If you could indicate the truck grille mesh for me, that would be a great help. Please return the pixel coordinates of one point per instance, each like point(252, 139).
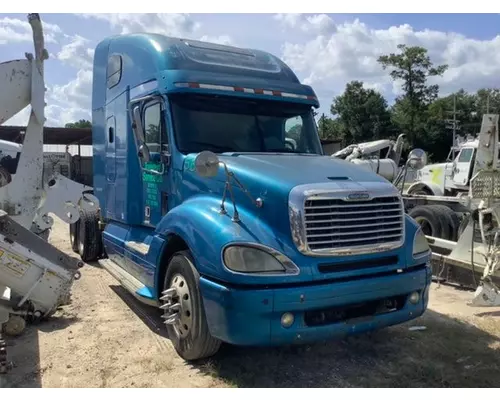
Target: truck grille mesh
point(336, 224)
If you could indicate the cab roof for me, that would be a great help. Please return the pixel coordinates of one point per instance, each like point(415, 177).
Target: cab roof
point(147, 56)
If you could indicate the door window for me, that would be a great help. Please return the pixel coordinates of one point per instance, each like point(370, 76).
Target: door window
point(153, 127)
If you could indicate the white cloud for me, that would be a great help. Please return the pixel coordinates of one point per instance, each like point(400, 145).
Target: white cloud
point(166, 24)
point(77, 53)
point(328, 62)
point(14, 30)
point(320, 24)
point(76, 94)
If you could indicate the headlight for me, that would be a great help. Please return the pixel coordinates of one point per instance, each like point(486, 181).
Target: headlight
point(257, 260)
point(420, 244)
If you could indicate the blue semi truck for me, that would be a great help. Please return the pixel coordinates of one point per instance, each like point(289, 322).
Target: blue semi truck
point(218, 206)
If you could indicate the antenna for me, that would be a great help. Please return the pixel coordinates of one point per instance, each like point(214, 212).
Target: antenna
point(453, 124)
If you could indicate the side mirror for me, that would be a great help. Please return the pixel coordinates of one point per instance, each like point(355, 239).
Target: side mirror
point(207, 164)
point(417, 159)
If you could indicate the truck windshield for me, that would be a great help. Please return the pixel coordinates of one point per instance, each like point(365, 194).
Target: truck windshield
point(224, 124)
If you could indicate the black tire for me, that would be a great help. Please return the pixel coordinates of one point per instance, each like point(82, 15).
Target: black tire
point(452, 219)
point(73, 235)
point(433, 222)
point(422, 191)
point(89, 236)
point(198, 343)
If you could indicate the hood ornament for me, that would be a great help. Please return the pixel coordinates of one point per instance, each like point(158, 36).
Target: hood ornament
point(207, 166)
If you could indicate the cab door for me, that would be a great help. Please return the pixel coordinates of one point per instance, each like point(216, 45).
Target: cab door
point(156, 172)
point(462, 166)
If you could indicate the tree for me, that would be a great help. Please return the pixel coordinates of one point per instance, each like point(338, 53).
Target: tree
point(362, 114)
point(83, 123)
point(487, 100)
point(329, 128)
point(412, 66)
point(438, 133)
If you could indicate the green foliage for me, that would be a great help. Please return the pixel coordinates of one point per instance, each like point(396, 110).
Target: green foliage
point(412, 66)
point(83, 123)
point(362, 114)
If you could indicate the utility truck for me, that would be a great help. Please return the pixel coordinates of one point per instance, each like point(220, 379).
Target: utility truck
point(451, 178)
point(217, 204)
point(461, 224)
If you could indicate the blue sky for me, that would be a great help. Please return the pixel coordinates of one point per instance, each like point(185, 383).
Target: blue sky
point(325, 50)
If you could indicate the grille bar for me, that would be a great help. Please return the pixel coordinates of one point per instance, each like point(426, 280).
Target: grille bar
point(397, 204)
point(357, 233)
point(333, 224)
point(351, 212)
point(333, 221)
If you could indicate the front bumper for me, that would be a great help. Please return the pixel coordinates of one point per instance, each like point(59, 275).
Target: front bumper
point(252, 316)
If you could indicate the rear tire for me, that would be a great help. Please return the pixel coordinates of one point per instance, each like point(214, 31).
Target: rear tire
point(422, 192)
point(89, 236)
point(452, 219)
point(190, 335)
point(432, 222)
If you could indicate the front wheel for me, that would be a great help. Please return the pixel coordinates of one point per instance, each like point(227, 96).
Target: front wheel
point(184, 314)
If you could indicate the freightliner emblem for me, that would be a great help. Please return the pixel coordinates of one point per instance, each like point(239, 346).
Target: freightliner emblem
point(358, 196)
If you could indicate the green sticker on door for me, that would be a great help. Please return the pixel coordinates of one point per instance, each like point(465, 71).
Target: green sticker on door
point(150, 177)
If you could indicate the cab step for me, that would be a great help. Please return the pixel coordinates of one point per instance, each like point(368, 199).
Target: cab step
point(130, 283)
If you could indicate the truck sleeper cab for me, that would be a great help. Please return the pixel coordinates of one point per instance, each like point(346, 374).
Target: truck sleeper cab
point(218, 205)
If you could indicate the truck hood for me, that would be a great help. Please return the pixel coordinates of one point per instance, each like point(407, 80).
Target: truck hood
point(290, 170)
point(271, 177)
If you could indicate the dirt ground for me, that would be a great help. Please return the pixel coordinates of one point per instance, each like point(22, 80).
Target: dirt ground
point(105, 338)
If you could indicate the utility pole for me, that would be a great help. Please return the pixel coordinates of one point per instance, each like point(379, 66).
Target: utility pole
point(452, 123)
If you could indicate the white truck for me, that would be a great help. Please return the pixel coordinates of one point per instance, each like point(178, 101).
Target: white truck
point(462, 224)
point(451, 178)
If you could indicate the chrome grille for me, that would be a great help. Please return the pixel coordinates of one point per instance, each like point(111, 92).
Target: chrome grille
point(334, 224)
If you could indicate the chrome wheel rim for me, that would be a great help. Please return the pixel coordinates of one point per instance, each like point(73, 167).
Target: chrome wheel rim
point(178, 309)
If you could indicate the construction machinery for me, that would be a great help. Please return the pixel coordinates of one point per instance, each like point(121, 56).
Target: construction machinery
point(463, 231)
point(380, 156)
point(458, 214)
point(35, 277)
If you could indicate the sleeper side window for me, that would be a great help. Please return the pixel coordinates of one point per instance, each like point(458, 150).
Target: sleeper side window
point(114, 72)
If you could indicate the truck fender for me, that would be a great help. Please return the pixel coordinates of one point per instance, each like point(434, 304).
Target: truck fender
point(205, 231)
point(431, 188)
